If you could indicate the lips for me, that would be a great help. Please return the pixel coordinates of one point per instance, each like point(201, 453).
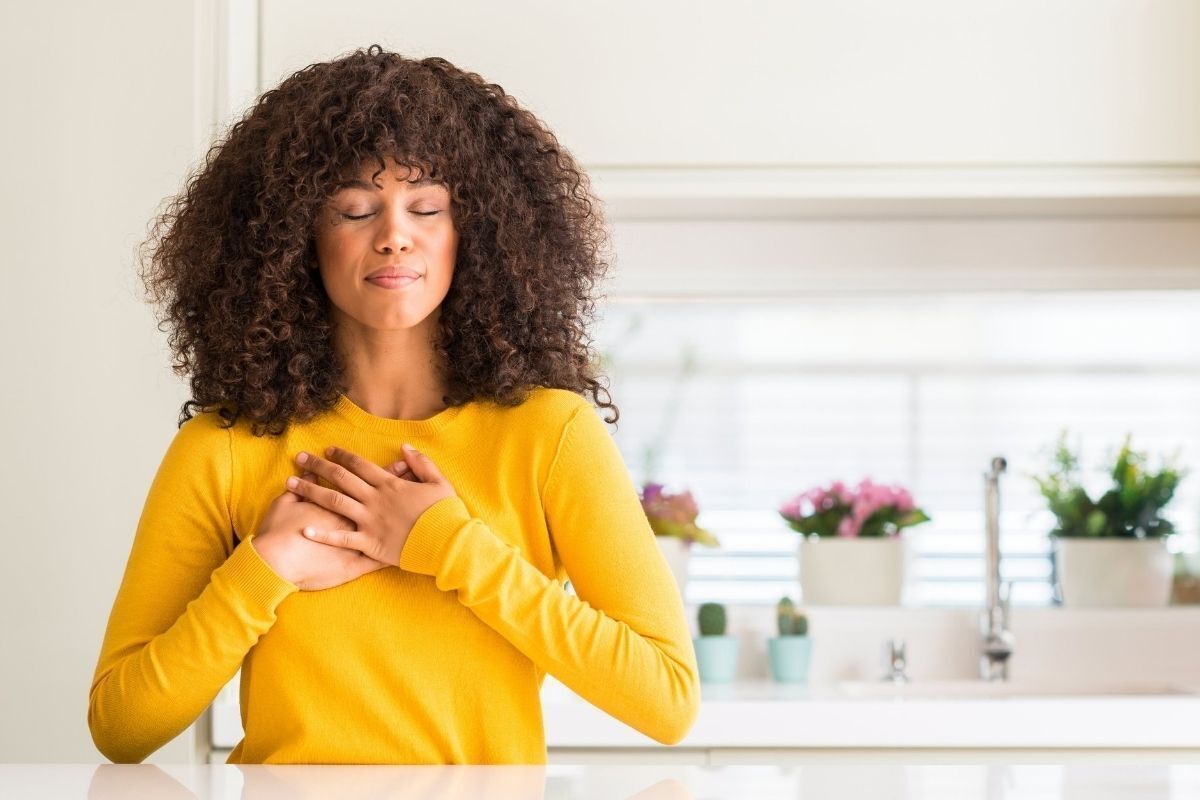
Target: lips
point(394, 272)
point(393, 281)
point(393, 276)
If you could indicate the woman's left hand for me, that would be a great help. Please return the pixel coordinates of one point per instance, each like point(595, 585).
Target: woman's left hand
point(383, 505)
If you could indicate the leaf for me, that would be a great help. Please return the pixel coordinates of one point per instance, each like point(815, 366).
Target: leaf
point(914, 517)
point(683, 530)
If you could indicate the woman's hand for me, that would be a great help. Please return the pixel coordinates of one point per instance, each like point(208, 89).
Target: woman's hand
point(382, 505)
point(307, 564)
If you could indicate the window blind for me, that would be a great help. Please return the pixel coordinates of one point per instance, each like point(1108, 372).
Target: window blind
point(748, 402)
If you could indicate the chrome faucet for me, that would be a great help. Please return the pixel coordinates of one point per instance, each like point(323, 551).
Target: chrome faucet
point(993, 623)
point(894, 661)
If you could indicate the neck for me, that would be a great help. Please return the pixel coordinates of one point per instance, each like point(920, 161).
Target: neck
point(391, 374)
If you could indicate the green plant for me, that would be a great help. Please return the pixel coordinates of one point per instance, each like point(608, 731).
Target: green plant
point(712, 619)
point(1131, 508)
point(791, 621)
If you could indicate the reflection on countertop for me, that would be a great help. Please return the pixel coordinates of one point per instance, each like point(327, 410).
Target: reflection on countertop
point(1093, 781)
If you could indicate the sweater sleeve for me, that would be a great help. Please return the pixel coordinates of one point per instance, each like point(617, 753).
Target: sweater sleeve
point(187, 610)
point(623, 643)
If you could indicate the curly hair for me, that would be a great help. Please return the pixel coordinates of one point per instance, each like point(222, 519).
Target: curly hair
point(232, 258)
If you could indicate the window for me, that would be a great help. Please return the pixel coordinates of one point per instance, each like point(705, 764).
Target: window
point(748, 402)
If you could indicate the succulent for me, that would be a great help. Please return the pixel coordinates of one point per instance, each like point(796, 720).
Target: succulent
point(791, 621)
point(1130, 508)
point(712, 619)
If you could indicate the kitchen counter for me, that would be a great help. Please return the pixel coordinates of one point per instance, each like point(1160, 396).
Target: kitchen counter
point(1157, 648)
point(764, 714)
point(593, 782)
point(757, 715)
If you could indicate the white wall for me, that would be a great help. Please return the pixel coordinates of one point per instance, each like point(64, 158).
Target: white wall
point(99, 123)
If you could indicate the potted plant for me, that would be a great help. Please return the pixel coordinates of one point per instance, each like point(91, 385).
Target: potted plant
point(1111, 551)
point(673, 519)
point(790, 651)
point(716, 652)
point(851, 549)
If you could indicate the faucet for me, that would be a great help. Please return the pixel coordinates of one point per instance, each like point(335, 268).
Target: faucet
point(894, 661)
point(993, 623)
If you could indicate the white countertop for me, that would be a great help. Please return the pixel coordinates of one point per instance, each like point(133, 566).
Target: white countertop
point(610, 782)
point(768, 714)
point(765, 714)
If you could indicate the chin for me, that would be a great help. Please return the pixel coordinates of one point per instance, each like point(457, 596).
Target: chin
point(400, 323)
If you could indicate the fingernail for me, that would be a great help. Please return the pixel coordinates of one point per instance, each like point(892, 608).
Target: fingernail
point(302, 458)
point(293, 482)
point(309, 532)
point(408, 447)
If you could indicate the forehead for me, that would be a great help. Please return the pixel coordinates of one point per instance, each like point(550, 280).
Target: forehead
point(371, 177)
point(358, 183)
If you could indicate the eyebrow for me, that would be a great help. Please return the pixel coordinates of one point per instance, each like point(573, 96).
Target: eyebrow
point(357, 183)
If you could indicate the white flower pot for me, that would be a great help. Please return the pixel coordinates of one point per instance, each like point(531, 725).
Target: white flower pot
point(853, 571)
point(676, 551)
point(1112, 571)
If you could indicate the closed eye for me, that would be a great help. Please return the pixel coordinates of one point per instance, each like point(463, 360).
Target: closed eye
point(364, 216)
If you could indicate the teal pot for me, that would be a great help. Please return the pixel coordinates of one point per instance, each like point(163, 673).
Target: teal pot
point(789, 657)
point(717, 658)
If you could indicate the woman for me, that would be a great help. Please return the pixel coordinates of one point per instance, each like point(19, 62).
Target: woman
point(387, 253)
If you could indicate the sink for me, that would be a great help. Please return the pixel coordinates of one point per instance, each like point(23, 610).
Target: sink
point(945, 689)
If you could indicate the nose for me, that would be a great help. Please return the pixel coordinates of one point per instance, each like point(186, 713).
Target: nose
point(394, 235)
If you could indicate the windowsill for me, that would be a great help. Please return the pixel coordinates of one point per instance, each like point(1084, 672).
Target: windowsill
point(1037, 616)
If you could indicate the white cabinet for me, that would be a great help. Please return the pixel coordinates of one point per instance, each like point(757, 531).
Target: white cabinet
point(683, 84)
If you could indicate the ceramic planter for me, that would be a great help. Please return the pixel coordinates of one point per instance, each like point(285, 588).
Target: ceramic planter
point(853, 571)
point(676, 551)
point(789, 657)
point(716, 656)
point(1113, 571)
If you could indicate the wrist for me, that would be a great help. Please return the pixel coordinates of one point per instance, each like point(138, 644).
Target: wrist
point(266, 551)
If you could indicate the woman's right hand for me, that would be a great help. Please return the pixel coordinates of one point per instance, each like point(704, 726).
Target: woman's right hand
point(309, 565)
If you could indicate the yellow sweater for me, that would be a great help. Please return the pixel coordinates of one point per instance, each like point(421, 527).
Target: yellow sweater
point(439, 661)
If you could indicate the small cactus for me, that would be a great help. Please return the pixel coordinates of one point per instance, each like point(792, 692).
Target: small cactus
point(791, 621)
point(784, 611)
point(712, 619)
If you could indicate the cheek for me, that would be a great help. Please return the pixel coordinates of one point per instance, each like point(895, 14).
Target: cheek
point(441, 274)
point(448, 244)
point(335, 252)
point(324, 243)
